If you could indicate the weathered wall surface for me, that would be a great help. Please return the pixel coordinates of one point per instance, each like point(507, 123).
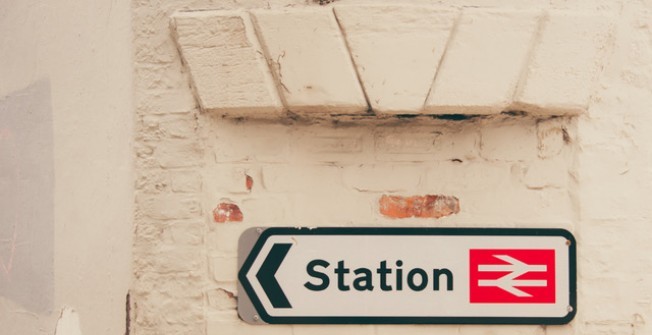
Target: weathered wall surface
point(202, 179)
point(66, 167)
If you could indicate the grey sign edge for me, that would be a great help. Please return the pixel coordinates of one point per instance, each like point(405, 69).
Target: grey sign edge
point(246, 310)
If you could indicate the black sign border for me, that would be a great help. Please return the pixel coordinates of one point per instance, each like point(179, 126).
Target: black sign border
point(404, 231)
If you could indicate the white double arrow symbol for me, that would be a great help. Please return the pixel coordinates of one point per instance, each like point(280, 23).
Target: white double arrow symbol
point(515, 268)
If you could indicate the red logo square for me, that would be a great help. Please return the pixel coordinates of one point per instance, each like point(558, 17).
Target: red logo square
point(512, 275)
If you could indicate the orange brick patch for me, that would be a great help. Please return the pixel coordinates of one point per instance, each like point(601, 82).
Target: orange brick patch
point(420, 206)
point(227, 212)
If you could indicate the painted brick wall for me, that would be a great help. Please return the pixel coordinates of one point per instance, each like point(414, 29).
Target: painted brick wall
point(203, 179)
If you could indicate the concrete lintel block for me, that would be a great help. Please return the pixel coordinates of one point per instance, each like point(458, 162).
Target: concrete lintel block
point(310, 61)
point(396, 50)
point(229, 72)
point(484, 62)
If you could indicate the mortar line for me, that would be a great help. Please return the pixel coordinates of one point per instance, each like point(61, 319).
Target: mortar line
point(276, 75)
point(525, 68)
point(185, 64)
point(353, 63)
point(449, 41)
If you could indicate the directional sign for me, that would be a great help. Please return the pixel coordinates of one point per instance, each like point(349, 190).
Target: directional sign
point(407, 275)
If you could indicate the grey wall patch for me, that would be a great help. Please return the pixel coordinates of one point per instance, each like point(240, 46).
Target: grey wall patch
point(27, 198)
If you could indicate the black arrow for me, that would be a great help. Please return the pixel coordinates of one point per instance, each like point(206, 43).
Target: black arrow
point(266, 275)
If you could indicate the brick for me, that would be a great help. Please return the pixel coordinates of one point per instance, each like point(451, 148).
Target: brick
point(383, 178)
point(415, 144)
point(500, 329)
point(262, 143)
point(484, 62)
point(329, 143)
point(227, 212)
point(153, 181)
point(170, 285)
point(609, 177)
point(565, 64)
point(221, 299)
point(170, 260)
point(216, 326)
point(228, 178)
point(228, 71)
point(428, 206)
point(178, 153)
point(335, 208)
point(265, 211)
point(157, 127)
point(409, 140)
point(168, 206)
point(334, 329)
point(415, 329)
point(184, 233)
point(301, 177)
point(498, 141)
point(310, 60)
point(471, 175)
point(224, 268)
point(178, 126)
point(223, 239)
point(396, 50)
point(165, 101)
point(168, 313)
point(186, 181)
point(552, 135)
point(547, 173)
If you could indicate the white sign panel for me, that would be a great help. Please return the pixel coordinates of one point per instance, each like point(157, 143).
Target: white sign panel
point(407, 275)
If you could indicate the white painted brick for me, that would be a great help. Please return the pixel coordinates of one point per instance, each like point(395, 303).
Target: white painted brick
point(224, 268)
point(452, 178)
point(332, 208)
point(156, 127)
point(164, 101)
point(216, 325)
point(547, 173)
point(186, 181)
point(414, 144)
point(416, 329)
point(170, 259)
point(500, 330)
point(178, 153)
point(183, 233)
point(310, 60)
point(552, 136)
point(509, 141)
point(152, 181)
point(607, 182)
point(265, 211)
point(333, 329)
point(228, 70)
point(326, 143)
point(169, 206)
point(565, 63)
point(178, 284)
point(560, 330)
point(396, 50)
point(249, 142)
point(383, 178)
point(483, 63)
point(302, 178)
point(221, 299)
point(229, 178)
point(407, 140)
point(223, 238)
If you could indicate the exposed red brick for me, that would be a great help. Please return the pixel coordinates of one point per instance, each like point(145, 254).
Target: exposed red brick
point(227, 212)
point(420, 206)
point(249, 182)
